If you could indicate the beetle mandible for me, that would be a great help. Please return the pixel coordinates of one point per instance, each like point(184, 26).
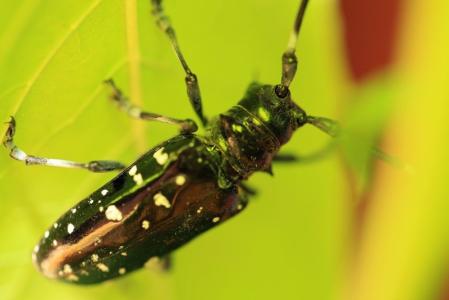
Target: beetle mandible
point(178, 189)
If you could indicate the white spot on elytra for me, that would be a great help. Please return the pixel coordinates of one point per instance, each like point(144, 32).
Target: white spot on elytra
point(91, 201)
point(46, 234)
point(180, 179)
point(160, 156)
point(132, 171)
point(55, 225)
point(124, 254)
point(70, 228)
point(112, 213)
point(104, 192)
point(101, 208)
point(122, 271)
point(84, 272)
point(239, 207)
point(138, 179)
point(54, 243)
point(67, 269)
point(36, 249)
point(199, 210)
point(72, 277)
point(94, 257)
point(161, 200)
point(73, 210)
point(103, 267)
point(216, 219)
point(145, 224)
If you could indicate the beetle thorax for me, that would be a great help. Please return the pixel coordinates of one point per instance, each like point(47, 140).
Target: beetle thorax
point(251, 133)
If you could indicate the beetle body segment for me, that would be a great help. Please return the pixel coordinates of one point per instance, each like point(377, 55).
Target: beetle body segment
point(163, 200)
point(170, 195)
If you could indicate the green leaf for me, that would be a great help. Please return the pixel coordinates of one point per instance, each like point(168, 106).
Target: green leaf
point(364, 125)
point(53, 59)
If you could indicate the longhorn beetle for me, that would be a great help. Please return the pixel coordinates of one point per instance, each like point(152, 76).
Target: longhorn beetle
point(178, 189)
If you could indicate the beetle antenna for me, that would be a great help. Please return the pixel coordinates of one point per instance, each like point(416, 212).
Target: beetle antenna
point(332, 128)
point(289, 59)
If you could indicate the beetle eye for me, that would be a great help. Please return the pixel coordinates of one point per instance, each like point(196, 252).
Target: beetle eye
point(281, 91)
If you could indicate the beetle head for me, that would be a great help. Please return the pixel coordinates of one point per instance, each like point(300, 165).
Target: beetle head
point(280, 114)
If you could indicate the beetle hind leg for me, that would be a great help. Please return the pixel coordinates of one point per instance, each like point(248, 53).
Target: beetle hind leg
point(160, 264)
point(18, 154)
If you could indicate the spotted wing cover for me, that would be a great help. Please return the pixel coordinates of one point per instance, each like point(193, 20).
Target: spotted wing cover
point(150, 209)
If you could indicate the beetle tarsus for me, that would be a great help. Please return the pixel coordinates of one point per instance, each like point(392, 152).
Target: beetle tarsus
point(10, 132)
point(18, 154)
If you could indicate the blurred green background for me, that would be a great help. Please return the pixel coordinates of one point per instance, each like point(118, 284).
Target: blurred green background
point(340, 228)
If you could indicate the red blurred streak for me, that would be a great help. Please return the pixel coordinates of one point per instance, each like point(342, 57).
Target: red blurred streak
point(370, 33)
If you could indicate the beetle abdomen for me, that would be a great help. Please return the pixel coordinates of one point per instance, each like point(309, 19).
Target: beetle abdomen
point(151, 208)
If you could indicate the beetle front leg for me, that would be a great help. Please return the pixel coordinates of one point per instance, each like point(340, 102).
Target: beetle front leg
point(186, 126)
point(193, 89)
point(18, 154)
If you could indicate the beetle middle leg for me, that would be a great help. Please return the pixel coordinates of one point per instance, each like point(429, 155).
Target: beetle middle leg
point(309, 158)
point(193, 89)
point(18, 154)
point(247, 189)
point(186, 126)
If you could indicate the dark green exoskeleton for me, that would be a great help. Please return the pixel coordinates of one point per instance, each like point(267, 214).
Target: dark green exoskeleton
point(178, 189)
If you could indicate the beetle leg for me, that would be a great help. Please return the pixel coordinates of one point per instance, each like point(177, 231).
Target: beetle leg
point(286, 158)
point(291, 158)
point(248, 190)
point(193, 89)
point(18, 154)
point(186, 126)
point(159, 264)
